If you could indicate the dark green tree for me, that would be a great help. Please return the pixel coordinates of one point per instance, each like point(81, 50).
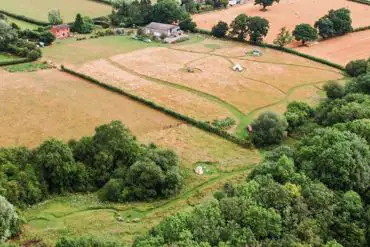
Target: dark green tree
point(304, 33)
point(265, 3)
point(297, 114)
point(257, 29)
point(325, 27)
point(357, 67)
point(239, 26)
point(334, 90)
point(220, 29)
point(268, 129)
point(188, 25)
point(168, 11)
point(338, 159)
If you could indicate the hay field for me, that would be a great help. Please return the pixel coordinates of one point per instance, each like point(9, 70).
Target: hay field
point(49, 103)
point(211, 89)
point(287, 13)
point(38, 9)
point(342, 49)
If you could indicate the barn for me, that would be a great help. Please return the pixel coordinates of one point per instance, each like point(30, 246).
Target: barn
point(61, 31)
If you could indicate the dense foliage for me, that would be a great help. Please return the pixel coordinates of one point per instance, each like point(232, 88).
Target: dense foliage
point(82, 24)
point(244, 26)
point(265, 3)
point(220, 29)
point(335, 23)
point(315, 193)
point(141, 13)
point(268, 129)
point(14, 41)
point(111, 155)
point(305, 32)
point(358, 67)
point(86, 242)
point(9, 221)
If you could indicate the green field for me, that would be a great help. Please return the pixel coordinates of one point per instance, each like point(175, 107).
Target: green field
point(38, 9)
point(26, 67)
point(6, 57)
point(71, 51)
point(21, 24)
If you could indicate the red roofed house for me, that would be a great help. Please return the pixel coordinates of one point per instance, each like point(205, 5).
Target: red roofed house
point(61, 31)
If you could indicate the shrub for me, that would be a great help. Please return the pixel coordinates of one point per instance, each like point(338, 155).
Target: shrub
point(220, 29)
point(268, 129)
point(188, 25)
point(224, 123)
point(305, 32)
point(86, 242)
point(334, 90)
point(9, 221)
point(357, 67)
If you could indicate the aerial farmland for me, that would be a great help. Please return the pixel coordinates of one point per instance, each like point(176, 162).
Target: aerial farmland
point(193, 124)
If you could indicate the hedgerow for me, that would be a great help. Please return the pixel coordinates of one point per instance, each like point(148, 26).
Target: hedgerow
point(25, 18)
point(189, 120)
point(15, 61)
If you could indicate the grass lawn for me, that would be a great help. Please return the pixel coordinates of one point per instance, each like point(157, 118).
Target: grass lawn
point(26, 67)
point(70, 51)
point(6, 57)
point(21, 24)
point(38, 9)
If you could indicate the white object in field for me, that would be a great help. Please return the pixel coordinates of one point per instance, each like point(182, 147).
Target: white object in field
point(198, 170)
point(256, 53)
point(238, 68)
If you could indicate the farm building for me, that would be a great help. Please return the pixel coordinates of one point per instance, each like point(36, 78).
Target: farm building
point(61, 31)
point(159, 29)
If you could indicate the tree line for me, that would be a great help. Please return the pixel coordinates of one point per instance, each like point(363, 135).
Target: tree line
point(111, 162)
point(315, 192)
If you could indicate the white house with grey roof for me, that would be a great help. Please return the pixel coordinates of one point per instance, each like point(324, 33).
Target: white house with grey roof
point(158, 29)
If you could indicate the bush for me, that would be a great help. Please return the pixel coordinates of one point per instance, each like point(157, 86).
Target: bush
point(357, 67)
point(268, 129)
point(86, 242)
point(9, 221)
point(224, 123)
point(334, 90)
point(220, 29)
point(188, 25)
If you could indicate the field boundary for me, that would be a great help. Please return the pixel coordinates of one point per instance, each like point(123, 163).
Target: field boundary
point(25, 18)
point(283, 49)
point(15, 61)
point(359, 29)
point(361, 1)
point(199, 124)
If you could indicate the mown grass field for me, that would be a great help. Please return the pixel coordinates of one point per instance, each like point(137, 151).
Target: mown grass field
point(38, 9)
point(21, 24)
point(4, 57)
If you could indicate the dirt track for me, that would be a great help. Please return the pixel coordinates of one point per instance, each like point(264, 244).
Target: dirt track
point(287, 13)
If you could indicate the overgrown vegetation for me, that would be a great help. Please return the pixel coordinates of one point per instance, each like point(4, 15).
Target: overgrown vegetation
point(315, 193)
point(27, 67)
point(112, 155)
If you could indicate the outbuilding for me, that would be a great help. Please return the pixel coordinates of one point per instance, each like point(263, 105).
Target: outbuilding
point(61, 31)
point(160, 29)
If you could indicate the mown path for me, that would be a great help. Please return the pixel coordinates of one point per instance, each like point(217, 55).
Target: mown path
point(243, 118)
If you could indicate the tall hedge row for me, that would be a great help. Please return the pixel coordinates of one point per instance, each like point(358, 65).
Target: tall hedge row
point(367, 2)
point(25, 18)
point(189, 120)
point(15, 61)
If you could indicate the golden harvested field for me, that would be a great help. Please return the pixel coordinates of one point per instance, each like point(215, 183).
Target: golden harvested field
point(39, 9)
point(261, 83)
point(343, 49)
point(287, 13)
point(179, 100)
point(49, 103)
